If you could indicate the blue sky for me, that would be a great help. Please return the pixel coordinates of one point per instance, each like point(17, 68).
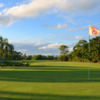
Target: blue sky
point(41, 26)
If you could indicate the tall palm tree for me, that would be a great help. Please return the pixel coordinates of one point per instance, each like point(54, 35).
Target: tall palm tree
point(8, 48)
point(1, 48)
point(5, 47)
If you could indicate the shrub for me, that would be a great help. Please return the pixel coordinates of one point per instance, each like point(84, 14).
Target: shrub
point(17, 64)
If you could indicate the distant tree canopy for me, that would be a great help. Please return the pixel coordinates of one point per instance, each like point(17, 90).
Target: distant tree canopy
point(81, 51)
point(37, 57)
point(42, 57)
point(29, 57)
point(64, 51)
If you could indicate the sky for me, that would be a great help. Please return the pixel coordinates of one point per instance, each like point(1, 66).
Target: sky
point(41, 26)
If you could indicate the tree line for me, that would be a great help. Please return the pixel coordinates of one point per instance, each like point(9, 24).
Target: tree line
point(80, 52)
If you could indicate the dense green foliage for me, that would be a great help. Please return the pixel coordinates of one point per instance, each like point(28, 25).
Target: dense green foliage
point(19, 56)
point(63, 57)
point(81, 51)
point(5, 49)
point(64, 51)
point(50, 80)
point(42, 57)
point(9, 63)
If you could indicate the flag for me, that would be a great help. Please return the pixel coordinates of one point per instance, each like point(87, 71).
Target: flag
point(93, 30)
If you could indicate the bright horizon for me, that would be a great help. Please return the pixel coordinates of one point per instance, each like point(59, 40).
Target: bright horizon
point(41, 26)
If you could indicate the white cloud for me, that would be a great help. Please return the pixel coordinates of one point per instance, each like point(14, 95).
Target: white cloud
point(71, 49)
point(1, 5)
point(36, 7)
point(79, 29)
point(31, 47)
point(22, 41)
point(31, 9)
point(0, 13)
point(71, 18)
point(33, 40)
point(79, 5)
point(54, 46)
point(59, 26)
point(78, 37)
point(21, 50)
point(7, 20)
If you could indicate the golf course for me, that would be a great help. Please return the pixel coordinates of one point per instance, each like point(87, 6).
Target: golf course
point(50, 80)
point(50, 50)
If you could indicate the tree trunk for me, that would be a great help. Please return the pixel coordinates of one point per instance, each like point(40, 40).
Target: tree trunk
point(82, 54)
point(4, 59)
point(82, 57)
point(82, 60)
point(64, 58)
point(1, 61)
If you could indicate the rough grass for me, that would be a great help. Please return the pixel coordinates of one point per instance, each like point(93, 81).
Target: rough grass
point(50, 80)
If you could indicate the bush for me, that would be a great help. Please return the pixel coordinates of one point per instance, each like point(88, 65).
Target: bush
point(37, 57)
point(61, 58)
point(17, 64)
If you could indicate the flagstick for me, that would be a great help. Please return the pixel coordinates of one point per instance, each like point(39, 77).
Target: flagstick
point(89, 61)
point(92, 31)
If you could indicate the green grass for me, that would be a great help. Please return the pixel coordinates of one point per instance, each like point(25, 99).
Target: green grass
point(50, 80)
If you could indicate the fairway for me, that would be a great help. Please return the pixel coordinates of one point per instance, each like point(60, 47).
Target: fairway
point(50, 80)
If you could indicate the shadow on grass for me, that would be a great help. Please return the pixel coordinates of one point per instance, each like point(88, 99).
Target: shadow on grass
point(58, 74)
point(30, 96)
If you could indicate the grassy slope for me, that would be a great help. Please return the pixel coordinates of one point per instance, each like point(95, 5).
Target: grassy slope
point(50, 80)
